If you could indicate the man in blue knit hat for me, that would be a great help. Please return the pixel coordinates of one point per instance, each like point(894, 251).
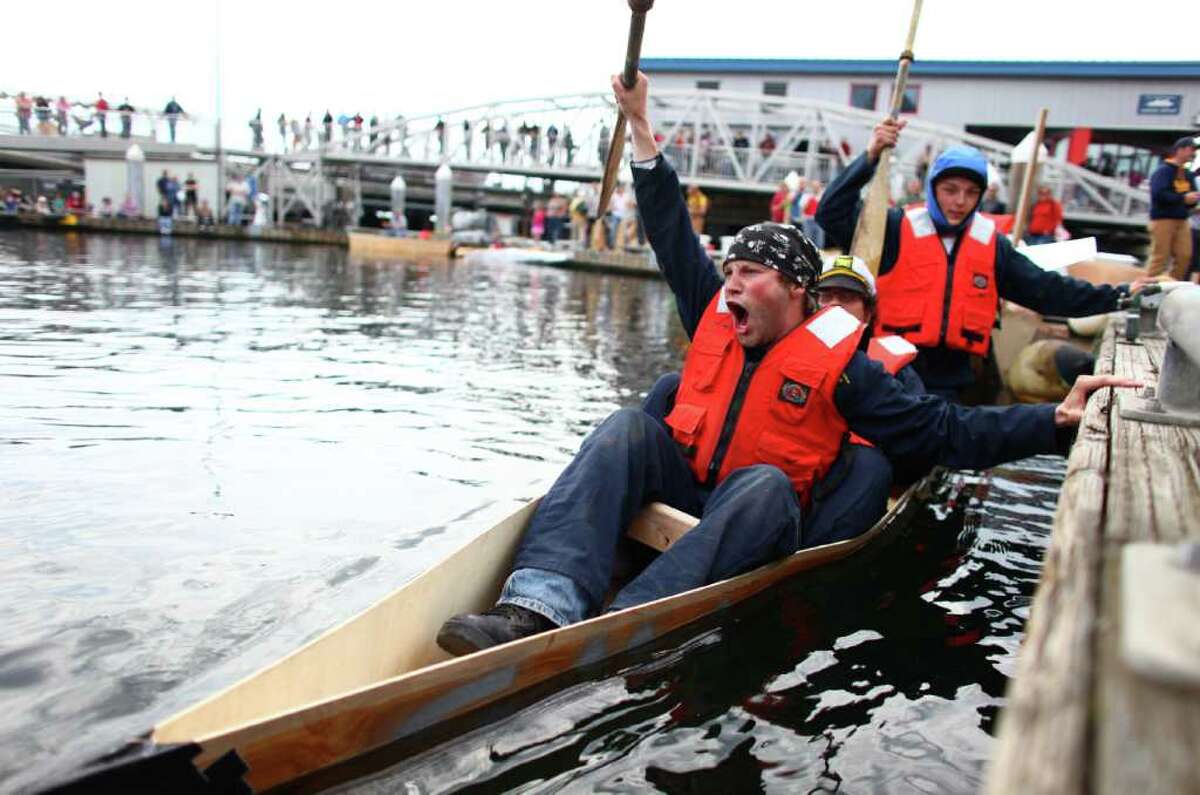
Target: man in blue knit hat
point(944, 269)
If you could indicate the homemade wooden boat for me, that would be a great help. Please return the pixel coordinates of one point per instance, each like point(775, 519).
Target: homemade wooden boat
point(374, 244)
point(1025, 342)
point(380, 677)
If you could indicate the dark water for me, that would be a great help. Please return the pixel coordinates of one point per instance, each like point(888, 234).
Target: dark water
point(210, 452)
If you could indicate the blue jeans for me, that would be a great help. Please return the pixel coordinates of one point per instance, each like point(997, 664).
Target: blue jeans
point(851, 498)
point(750, 518)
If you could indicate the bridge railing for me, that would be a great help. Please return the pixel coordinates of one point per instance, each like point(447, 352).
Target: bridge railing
point(82, 121)
point(717, 136)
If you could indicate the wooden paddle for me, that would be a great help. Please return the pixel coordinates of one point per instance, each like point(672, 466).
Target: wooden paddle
point(872, 219)
point(1021, 214)
point(633, 54)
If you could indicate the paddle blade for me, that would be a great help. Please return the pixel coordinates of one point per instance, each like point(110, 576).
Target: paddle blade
point(872, 219)
point(612, 165)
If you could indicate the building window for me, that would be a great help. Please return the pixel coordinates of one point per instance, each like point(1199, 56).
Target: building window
point(911, 100)
point(864, 95)
point(708, 85)
point(774, 88)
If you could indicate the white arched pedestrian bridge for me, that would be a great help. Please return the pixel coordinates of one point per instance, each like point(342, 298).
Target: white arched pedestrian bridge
point(712, 138)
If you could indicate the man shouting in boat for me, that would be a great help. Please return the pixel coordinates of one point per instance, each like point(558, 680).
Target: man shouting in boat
point(769, 391)
point(944, 268)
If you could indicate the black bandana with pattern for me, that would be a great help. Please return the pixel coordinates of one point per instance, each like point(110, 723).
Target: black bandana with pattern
point(780, 246)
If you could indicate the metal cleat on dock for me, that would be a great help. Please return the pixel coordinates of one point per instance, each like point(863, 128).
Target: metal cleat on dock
point(1175, 400)
point(1141, 310)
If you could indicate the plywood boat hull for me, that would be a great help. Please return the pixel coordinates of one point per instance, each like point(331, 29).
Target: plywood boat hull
point(370, 244)
point(380, 678)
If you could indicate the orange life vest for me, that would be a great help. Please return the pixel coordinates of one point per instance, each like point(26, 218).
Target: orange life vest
point(786, 416)
point(894, 353)
point(913, 297)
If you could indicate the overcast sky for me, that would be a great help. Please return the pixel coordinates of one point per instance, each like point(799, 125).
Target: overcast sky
point(421, 57)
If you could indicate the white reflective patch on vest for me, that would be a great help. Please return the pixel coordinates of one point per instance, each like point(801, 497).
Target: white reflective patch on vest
point(833, 326)
point(722, 307)
point(982, 229)
point(922, 223)
point(897, 346)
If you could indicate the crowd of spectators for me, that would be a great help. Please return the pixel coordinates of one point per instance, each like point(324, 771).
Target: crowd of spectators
point(795, 202)
point(62, 203)
point(38, 114)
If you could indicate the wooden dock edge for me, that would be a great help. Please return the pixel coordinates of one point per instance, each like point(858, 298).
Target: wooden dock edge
point(1078, 719)
point(288, 233)
point(1043, 728)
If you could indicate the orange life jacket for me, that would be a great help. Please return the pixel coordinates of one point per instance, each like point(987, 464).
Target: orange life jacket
point(786, 416)
point(894, 353)
point(913, 300)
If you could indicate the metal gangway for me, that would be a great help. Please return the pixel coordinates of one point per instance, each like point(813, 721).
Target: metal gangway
point(713, 138)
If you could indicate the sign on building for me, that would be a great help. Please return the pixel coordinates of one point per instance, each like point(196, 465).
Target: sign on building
point(1159, 104)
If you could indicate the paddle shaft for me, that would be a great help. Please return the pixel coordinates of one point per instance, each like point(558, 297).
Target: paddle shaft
point(616, 148)
point(872, 219)
point(1022, 212)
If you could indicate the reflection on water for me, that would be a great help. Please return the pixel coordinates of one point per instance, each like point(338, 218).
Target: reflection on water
point(213, 451)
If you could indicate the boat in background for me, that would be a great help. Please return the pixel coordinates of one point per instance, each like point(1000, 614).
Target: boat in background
point(369, 243)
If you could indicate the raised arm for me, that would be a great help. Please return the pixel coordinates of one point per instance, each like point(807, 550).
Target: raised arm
point(1021, 281)
point(684, 262)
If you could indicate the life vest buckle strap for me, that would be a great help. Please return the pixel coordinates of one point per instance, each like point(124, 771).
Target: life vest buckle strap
point(901, 329)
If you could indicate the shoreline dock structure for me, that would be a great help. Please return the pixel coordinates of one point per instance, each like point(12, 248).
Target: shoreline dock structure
point(1106, 694)
point(490, 166)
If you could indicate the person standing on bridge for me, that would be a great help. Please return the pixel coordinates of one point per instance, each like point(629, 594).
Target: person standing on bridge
point(327, 127)
point(945, 268)
point(769, 390)
point(569, 145)
point(101, 108)
point(281, 122)
point(62, 109)
point(173, 111)
point(24, 104)
point(256, 131)
point(551, 144)
point(126, 111)
point(503, 140)
point(603, 142)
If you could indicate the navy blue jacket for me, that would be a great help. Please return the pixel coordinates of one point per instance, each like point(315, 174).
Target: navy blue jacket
point(1017, 278)
point(1165, 200)
point(876, 406)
